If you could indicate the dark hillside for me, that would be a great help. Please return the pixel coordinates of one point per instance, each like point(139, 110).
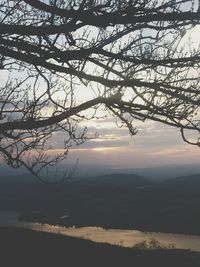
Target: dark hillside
point(110, 201)
point(26, 248)
point(186, 183)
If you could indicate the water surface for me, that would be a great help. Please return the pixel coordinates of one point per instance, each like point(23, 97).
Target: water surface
point(125, 238)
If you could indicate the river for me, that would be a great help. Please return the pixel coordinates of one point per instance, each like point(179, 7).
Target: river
point(125, 238)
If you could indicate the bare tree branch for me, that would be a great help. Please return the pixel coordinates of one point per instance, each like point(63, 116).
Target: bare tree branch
point(135, 60)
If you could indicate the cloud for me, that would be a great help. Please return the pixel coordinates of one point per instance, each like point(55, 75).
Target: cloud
point(154, 145)
point(170, 152)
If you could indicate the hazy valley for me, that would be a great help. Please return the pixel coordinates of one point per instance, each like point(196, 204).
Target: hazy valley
point(121, 201)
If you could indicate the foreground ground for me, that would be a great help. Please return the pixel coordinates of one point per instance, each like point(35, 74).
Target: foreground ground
point(22, 247)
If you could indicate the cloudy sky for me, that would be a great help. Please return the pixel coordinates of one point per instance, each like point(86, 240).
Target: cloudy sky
point(154, 144)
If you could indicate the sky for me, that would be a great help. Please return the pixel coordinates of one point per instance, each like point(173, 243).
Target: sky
point(154, 144)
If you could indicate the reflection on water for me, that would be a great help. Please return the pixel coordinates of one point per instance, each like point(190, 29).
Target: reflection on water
point(126, 238)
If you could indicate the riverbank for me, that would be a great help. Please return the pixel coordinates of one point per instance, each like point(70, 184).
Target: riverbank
point(120, 237)
point(23, 247)
point(85, 203)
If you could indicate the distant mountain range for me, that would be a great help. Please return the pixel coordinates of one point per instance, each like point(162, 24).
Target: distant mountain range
point(159, 173)
point(115, 180)
point(122, 180)
point(186, 183)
